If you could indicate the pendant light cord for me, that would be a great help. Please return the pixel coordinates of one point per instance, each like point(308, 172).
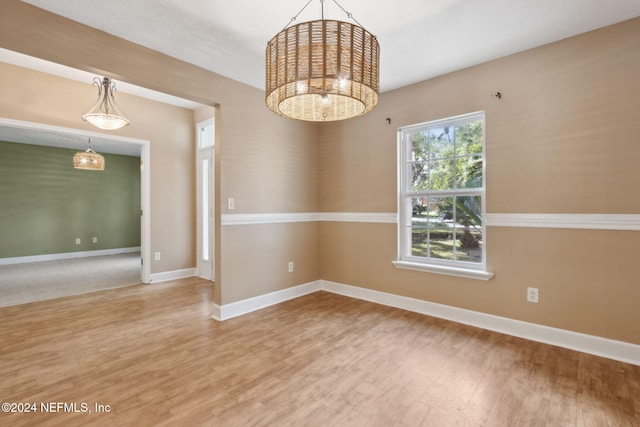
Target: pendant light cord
point(89, 149)
point(298, 14)
point(349, 14)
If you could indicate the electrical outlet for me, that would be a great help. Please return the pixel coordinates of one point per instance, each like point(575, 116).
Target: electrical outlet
point(290, 266)
point(231, 203)
point(78, 240)
point(532, 295)
point(95, 240)
point(156, 256)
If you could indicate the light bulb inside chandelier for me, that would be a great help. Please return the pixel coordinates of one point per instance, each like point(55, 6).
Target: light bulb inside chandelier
point(322, 70)
point(105, 114)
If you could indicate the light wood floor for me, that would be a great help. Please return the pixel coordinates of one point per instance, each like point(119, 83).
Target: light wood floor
point(153, 354)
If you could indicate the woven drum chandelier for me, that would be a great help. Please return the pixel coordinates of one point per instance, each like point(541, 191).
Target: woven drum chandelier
point(322, 70)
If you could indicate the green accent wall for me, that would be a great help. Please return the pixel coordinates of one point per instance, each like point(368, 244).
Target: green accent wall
point(45, 204)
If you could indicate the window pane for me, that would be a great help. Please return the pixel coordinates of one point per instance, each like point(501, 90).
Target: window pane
point(441, 174)
point(468, 211)
point(419, 241)
point(441, 142)
point(419, 210)
point(441, 227)
point(419, 176)
point(207, 136)
point(441, 243)
point(205, 210)
point(419, 226)
point(468, 138)
point(469, 172)
point(419, 146)
point(466, 251)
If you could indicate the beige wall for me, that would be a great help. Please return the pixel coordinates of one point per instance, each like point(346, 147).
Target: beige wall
point(268, 165)
point(564, 138)
point(41, 98)
point(262, 252)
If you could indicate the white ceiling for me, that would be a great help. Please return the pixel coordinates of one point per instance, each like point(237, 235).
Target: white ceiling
point(419, 39)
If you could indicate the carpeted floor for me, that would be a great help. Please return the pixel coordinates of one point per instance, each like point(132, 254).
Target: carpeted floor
point(38, 281)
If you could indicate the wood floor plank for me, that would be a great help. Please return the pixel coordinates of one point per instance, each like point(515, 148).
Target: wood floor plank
point(155, 357)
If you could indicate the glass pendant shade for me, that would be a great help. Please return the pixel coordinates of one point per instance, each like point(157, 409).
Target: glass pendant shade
point(105, 114)
point(88, 160)
point(322, 70)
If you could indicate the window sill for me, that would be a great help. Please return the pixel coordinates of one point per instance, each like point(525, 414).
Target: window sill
point(439, 269)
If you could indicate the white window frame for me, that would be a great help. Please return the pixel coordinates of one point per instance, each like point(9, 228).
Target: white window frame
point(474, 270)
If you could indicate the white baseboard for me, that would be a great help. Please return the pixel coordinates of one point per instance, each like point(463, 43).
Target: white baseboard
point(603, 347)
point(235, 309)
point(171, 275)
point(216, 312)
point(611, 349)
point(67, 255)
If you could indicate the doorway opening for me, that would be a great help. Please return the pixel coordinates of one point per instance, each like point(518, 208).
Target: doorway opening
point(55, 136)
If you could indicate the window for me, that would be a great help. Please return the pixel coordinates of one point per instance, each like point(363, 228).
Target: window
point(442, 197)
point(206, 200)
point(206, 134)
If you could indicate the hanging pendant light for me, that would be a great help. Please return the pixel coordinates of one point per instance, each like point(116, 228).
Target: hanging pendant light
point(322, 70)
point(105, 114)
point(88, 160)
